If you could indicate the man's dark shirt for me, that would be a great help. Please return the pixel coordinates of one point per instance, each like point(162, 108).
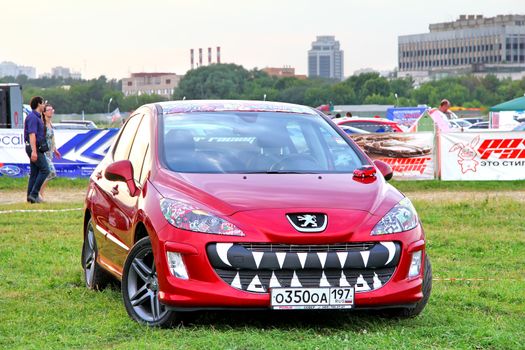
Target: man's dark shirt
point(34, 125)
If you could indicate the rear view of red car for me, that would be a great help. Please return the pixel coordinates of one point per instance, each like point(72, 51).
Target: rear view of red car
point(370, 124)
point(247, 204)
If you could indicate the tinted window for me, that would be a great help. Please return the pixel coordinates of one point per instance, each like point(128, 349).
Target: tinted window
point(139, 147)
point(253, 142)
point(372, 127)
point(127, 135)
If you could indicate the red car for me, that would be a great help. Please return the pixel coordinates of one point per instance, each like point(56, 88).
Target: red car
point(370, 124)
point(248, 204)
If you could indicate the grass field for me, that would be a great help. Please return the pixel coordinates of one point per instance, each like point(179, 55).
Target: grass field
point(43, 303)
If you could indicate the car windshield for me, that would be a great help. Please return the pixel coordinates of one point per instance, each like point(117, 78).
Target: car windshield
point(254, 142)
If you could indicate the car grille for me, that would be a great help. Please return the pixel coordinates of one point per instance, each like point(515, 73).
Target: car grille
point(257, 267)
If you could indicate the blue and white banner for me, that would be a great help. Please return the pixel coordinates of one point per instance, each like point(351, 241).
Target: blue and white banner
point(405, 116)
point(81, 151)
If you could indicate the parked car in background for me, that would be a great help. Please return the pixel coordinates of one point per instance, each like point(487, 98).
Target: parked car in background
point(370, 124)
point(248, 204)
point(479, 125)
point(351, 130)
point(459, 123)
point(520, 127)
point(84, 124)
point(75, 125)
point(473, 120)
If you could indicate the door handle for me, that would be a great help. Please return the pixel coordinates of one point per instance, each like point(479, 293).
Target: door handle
point(114, 190)
point(99, 175)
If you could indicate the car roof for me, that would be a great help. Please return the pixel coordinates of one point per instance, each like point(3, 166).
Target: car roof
point(359, 119)
point(190, 106)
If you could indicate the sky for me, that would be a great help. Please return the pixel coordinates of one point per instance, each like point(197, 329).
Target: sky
point(118, 37)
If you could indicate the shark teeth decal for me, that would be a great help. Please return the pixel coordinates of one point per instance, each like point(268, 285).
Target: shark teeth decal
point(236, 283)
point(222, 251)
point(295, 281)
point(342, 258)
point(365, 254)
point(302, 258)
point(361, 285)
point(274, 282)
point(391, 247)
point(343, 282)
point(257, 256)
point(324, 282)
point(322, 258)
point(256, 269)
point(377, 282)
point(280, 258)
point(256, 285)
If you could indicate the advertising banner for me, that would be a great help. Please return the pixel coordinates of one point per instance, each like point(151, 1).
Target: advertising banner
point(496, 155)
point(411, 155)
point(405, 116)
point(81, 151)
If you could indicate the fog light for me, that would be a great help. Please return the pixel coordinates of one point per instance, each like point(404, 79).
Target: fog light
point(176, 264)
point(415, 265)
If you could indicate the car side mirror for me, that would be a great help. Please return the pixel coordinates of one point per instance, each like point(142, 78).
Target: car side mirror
point(122, 171)
point(384, 168)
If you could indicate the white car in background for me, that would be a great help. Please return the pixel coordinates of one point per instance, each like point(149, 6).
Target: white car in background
point(459, 123)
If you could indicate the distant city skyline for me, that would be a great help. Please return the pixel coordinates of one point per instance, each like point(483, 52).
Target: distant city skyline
point(116, 38)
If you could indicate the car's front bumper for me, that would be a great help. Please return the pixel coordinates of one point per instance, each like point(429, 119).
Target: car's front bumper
point(205, 289)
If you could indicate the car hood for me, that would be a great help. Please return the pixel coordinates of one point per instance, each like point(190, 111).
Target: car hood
point(231, 193)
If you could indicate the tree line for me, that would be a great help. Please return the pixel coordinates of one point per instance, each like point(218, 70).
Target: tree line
point(230, 81)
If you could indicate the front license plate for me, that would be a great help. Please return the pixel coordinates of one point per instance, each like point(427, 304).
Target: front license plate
point(312, 298)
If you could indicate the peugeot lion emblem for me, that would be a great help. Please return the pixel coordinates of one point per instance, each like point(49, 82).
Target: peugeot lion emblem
point(308, 222)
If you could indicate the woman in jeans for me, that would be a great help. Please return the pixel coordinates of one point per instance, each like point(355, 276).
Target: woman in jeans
point(47, 116)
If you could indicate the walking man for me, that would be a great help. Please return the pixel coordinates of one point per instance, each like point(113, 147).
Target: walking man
point(34, 137)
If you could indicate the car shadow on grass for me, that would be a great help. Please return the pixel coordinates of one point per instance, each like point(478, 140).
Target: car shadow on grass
point(289, 320)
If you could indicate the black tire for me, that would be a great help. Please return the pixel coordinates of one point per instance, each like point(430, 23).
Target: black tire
point(95, 277)
point(140, 288)
point(426, 289)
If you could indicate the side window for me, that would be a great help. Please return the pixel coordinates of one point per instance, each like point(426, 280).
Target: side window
point(127, 135)
point(145, 167)
point(140, 146)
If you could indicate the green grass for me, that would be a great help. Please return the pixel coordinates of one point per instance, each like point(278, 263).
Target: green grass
point(7, 183)
point(43, 303)
point(20, 183)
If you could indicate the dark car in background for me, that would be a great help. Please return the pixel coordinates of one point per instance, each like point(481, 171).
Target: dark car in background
point(204, 205)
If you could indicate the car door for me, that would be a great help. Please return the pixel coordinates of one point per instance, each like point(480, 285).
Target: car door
point(109, 217)
point(125, 205)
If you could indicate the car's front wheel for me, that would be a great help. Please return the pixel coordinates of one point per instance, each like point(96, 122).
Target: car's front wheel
point(140, 288)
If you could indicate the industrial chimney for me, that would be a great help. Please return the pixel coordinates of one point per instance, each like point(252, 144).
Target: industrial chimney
point(218, 54)
point(209, 55)
point(200, 57)
point(191, 58)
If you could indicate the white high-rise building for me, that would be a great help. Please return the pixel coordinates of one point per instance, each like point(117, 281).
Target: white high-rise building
point(326, 59)
point(471, 44)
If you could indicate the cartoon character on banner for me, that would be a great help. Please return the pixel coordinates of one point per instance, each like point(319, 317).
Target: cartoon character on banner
point(467, 154)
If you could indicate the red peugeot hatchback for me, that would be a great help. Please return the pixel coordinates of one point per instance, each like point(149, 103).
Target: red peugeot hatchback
point(248, 204)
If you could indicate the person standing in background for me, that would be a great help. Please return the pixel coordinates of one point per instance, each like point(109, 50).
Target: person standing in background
point(35, 141)
point(47, 117)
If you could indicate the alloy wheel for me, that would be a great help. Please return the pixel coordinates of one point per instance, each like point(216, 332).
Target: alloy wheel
point(143, 288)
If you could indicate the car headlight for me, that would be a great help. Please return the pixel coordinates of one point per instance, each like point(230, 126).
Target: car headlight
point(402, 217)
point(187, 217)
